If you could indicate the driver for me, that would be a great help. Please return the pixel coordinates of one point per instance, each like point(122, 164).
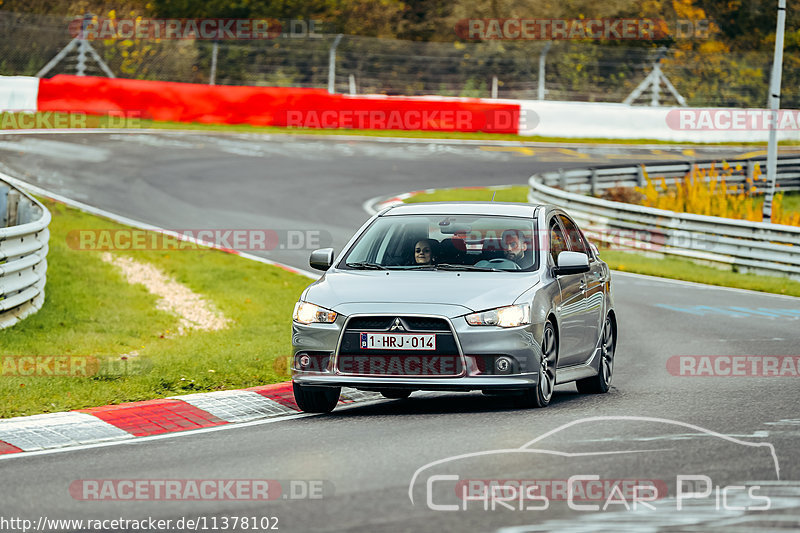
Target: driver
point(513, 247)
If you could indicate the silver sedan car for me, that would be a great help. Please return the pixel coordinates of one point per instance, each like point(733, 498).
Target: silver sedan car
point(497, 297)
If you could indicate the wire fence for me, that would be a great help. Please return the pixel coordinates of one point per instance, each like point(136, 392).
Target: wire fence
point(572, 70)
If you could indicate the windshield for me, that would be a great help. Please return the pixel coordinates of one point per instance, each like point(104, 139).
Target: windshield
point(445, 242)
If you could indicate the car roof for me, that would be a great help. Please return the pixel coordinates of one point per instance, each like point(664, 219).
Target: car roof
point(465, 208)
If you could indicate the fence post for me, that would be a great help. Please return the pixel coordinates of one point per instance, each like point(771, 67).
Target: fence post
point(542, 57)
point(80, 68)
point(593, 182)
point(332, 64)
point(751, 170)
point(656, 87)
point(212, 78)
point(640, 176)
point(774, 106)
point(562, 178)
point(352, 84)
point(13, 204)
point(494, 86)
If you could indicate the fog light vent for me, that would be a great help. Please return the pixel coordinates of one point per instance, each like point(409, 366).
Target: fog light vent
point(503, 365)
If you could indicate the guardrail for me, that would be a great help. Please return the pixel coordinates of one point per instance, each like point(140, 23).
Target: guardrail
point(23, 254)
point(742, 245)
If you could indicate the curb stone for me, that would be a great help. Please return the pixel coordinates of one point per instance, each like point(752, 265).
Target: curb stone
point(154, 417)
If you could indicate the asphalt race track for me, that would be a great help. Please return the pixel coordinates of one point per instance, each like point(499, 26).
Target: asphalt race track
point(396, 465)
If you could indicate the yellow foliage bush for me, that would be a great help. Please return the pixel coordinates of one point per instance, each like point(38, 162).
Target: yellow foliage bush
point(706, 192)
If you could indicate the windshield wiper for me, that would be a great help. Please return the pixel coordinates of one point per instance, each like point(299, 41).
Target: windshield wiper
point(366, 265)
point(449, 266)
point(417, 267)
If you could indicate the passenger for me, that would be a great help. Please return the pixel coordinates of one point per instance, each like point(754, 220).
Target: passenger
point(426, 252)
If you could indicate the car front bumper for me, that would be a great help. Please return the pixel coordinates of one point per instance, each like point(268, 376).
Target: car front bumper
point(467, 383)
point(476, 344)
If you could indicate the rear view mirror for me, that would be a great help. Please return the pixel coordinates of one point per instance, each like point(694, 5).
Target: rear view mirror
point(572, 263)
point(321, 259)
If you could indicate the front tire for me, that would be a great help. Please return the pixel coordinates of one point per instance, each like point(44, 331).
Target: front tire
point(541, 395)
point(600, 383)
point(311, 399)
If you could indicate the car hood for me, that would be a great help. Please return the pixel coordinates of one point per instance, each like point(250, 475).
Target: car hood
point(453, 293)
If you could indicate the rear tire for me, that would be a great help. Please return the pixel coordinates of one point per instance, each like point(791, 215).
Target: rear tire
point(600, 383)
point(541, 395)
point(395, 394)
point(311, 399)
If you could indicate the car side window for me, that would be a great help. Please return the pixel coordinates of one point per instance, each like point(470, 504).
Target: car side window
point(576, 242)
point(558, 243)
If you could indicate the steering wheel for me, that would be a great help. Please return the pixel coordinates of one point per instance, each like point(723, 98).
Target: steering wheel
point(504, 263)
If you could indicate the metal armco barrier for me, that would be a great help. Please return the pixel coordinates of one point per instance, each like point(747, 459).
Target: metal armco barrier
point(744, 246)
point(23, 254)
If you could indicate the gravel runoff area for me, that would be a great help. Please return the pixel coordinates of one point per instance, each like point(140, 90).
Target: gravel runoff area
point(194, 312)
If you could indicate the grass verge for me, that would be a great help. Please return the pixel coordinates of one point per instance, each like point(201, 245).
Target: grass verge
point(90, 310)
point(12, 121)
point(638, 263)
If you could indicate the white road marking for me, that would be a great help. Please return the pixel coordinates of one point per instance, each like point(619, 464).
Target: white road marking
point(58, 150)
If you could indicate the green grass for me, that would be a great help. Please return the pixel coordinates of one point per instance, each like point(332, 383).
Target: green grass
point(7, 123)
point(515, 193)
point(667, 267)
point(90, 310)
point(791, 201)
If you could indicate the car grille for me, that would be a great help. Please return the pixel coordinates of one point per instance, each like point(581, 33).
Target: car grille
point(383, 323)
point(445, 360)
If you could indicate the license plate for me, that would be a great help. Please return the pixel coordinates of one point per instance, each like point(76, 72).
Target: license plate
point(398, 341)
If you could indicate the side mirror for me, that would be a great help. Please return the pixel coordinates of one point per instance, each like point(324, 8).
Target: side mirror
point(321, 259)
point(572, 263)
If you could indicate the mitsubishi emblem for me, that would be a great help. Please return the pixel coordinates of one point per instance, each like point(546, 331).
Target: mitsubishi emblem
point(397, 325)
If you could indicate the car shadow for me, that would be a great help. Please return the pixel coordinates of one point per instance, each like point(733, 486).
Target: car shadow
point(448, 403)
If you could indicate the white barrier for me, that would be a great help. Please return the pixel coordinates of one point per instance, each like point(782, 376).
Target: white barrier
point(18, 93)
point(594, 120)
point(23, 254)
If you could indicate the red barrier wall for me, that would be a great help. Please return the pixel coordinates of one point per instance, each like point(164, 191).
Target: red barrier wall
point(272, 106)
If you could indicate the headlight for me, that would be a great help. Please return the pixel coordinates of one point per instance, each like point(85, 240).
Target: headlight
point(307, 313)
point(504, 317)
